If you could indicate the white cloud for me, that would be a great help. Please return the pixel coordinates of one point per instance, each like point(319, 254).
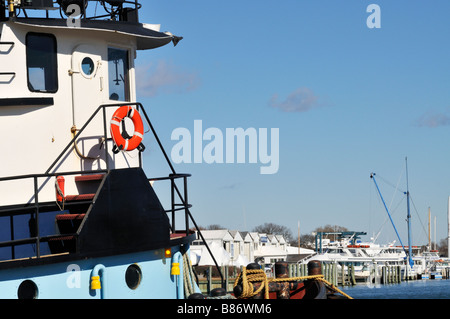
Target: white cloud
point(164, 77)
point(432, 120)
point(300, 100)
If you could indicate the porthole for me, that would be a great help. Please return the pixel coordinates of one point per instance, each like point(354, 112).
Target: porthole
point(87, 66)
point(133, 276)
point(27, 290)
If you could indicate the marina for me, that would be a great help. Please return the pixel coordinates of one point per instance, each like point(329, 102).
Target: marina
point(341, 274)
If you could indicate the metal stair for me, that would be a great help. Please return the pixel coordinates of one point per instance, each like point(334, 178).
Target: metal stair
point(68, 224)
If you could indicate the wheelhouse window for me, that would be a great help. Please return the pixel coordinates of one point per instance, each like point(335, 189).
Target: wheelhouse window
point(118, 66)
point(42, 62)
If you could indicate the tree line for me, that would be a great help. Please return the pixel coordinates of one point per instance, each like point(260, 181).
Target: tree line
point(308, 240)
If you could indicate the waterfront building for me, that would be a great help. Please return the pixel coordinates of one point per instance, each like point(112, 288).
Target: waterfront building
point(245, 247)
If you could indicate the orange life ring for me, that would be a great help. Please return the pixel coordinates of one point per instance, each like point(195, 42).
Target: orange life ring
point(125, 143)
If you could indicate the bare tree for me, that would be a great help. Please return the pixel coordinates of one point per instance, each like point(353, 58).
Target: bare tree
point(443, 247)
point(274, 229)
point(215, 227)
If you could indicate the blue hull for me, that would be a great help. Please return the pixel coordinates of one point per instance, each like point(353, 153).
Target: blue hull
point(73, 280)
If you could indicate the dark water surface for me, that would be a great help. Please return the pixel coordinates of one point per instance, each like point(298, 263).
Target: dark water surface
point(417, 289)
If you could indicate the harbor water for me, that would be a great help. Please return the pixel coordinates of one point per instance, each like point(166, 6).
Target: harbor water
point(417, 289)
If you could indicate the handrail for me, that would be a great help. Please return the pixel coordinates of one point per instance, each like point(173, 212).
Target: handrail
point(184, 201)
point(75, 138)
point(11, 178)
point(35, 206)
point(174, 189)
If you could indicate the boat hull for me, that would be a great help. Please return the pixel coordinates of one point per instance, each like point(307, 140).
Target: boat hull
point(138, 275)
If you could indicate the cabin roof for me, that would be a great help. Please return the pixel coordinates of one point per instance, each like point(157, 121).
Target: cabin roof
point(146, 37)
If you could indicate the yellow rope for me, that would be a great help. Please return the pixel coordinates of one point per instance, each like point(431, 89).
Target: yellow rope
point(333, 287)
point(247, 277)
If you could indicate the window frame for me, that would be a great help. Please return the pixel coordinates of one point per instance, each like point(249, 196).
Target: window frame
point(55, 52)
point(127, 82)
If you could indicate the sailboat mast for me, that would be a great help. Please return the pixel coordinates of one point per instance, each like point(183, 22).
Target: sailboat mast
point(408, 217)
point(448, 227)
point(372, 176)
point(429, 228)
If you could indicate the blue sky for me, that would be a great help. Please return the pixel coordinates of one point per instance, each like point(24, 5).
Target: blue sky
point(348, 100)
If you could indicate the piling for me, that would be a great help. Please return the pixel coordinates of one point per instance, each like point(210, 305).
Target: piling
point(297, 270)
point(351, 270)
point(283, 289)
point(282, 271)
point(390, 274)
point(335, 274)
point(209, 278)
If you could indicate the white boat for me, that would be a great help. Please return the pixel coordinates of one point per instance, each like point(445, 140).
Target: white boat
point(429, 265)
point(363, 256)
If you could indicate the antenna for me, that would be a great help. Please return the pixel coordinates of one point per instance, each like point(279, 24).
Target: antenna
point(408, 217)
point(448, 230)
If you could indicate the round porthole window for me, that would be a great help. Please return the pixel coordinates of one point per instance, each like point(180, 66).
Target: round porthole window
point(27, 290)
point(87, 66)
point(133, 276)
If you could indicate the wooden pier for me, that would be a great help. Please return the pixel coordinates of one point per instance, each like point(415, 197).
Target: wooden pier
point(336, 273)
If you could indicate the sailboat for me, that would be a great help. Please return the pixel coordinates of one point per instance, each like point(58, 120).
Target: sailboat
point(409, 269)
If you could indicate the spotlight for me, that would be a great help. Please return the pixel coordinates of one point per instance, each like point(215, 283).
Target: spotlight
point(115, 2)
point(64, 4)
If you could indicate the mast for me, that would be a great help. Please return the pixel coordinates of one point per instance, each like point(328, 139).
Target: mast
point(409, 253)
point(429, 228)
point(435, 243)
point(448, 230)
point(408, 217)
point(372, 176)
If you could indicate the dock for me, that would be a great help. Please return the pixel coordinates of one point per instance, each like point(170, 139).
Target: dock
point(343, 274)
point(334, 272)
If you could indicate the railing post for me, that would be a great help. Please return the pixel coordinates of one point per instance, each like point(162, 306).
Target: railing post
point(36, 204)
point(186, 203)
point(172, 196)
point(105, 132)
point(13, 248)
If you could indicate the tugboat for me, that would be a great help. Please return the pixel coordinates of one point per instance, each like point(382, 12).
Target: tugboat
point(79, 218)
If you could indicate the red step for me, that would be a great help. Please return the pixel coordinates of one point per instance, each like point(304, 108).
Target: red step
point(179, 234)
point(79, 197)
point(62, 238)
point(70, 216)
point(91, 177)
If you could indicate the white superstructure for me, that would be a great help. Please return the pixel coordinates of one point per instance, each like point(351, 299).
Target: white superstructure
point(53, 78)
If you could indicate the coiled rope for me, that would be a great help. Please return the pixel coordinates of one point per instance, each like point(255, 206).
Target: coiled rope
point(188, 276)
point(248, 277)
